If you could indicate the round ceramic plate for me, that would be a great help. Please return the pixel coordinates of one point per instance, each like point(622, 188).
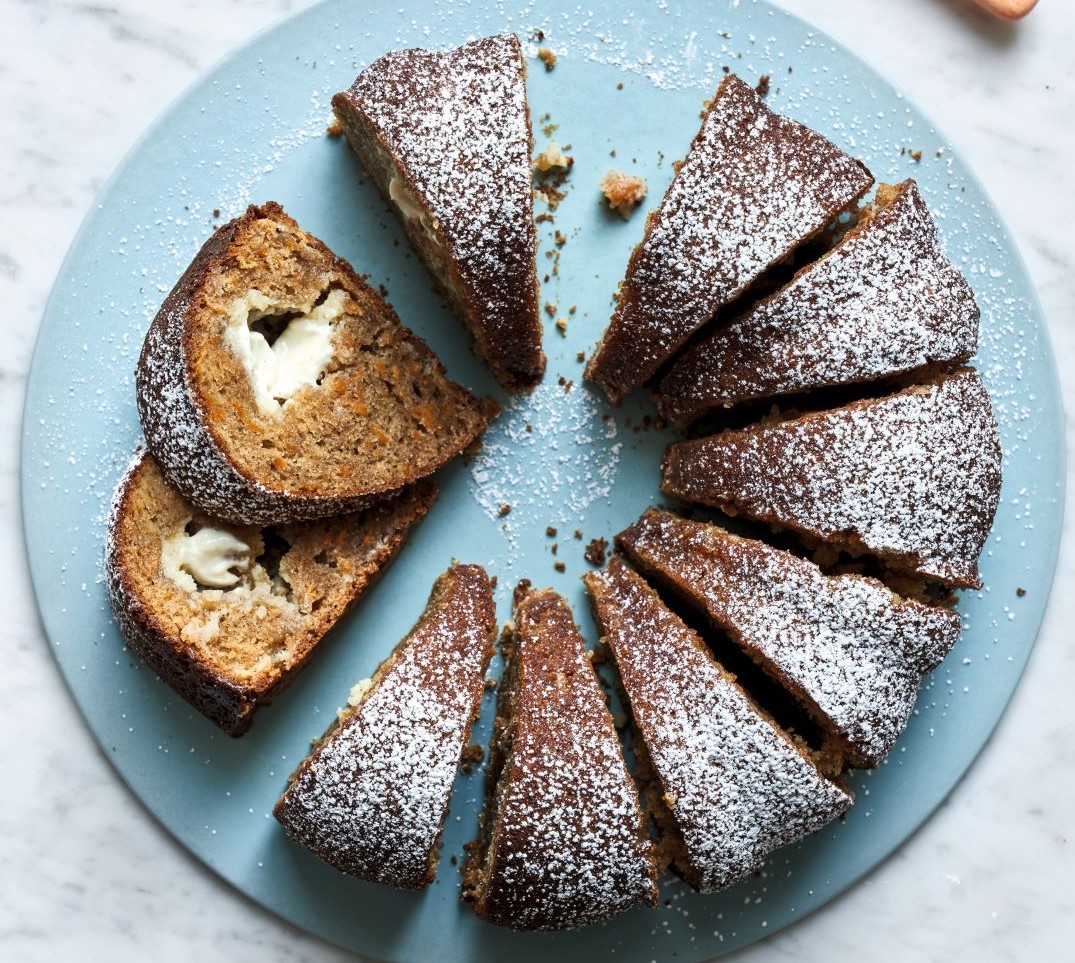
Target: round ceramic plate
point(625, 93)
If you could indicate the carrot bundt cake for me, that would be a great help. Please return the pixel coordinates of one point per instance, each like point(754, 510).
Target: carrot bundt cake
point(227, 614)
point(850, 650)
point(446, 137)
point(912, 478)
point(563, 841)
point(372, 797)
point(753, 187)
point(728, 786)
point(275, 384)
point(885, 301)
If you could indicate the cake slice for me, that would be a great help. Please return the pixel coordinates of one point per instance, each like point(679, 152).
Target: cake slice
point(912, 478)
point(446, 137)
point(728, 785)
point(852, 652)
point(753, 187)
point(227, 614)
point(275, 384)
point(885, 301)
point(372, 797)
point(564, 842)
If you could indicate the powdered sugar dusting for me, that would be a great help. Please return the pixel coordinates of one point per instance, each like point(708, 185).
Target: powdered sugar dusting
point(886, 301)
point(371, 799)
point(568, 847)
point(913, 477)
point(854, 652)
point(753, 187)
point(736, 787)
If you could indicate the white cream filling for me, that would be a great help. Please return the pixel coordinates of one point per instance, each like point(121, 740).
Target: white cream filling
point(296, 358)
point(210, 558)
point(409, 207)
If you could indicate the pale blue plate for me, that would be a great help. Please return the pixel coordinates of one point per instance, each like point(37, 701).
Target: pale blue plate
point(254, 130)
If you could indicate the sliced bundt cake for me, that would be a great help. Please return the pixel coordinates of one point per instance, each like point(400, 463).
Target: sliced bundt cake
point(753, 187)
point(564, 842)
point(728, 785)
point(885, 301)
point(275, 384)
point(912, 478)
point(446, 137)
point(227, 614)
point(850, 650)
point(372, 797)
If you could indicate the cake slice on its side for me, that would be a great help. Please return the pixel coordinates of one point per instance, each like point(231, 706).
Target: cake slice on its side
point(372, 797)
point(729, 785)
point(851, 651)
point(446, 137)
point(228, 614)
point(275, 384)
point(753, 187)
point(885, 301)
point(912, 478)
point(564, 842)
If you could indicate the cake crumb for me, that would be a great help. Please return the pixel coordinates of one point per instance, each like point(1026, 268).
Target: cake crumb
point(1020, 592)
point(578, 534)
point(561, 326)
point(580, 357)
point(551, 531)
point(763, 86)
point(624, 192)
point(505, 509)
point(916, 156)
point(334, 128)
point(552, 158)
point(560, 567)
point(596, 551)
point(216, 212)
point(547, 57)
point(550, 308)
point(471, 757)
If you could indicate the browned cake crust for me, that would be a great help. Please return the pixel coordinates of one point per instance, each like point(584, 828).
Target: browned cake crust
point(851, 651)
point(733, 785)
point(564, 841)
point(885, 301)
point(753, 187)
point(446, 137)
point(912, 478)
point(380, 414)
point(228, 650)
point(372, 797)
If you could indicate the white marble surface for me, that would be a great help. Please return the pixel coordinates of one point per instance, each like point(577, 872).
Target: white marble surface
point(84, 870)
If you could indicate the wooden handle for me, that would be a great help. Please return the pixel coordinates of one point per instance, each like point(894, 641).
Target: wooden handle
point(1007, 9)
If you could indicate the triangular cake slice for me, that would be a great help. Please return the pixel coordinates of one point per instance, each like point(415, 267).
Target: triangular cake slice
point(275, 384)
point(912, 478)
point(885, 301)
point(754, 186)
point(446, 137)
point(731, 786)
point(227, 614)
point(372, 797)
point(564, 842)
point(850, 650)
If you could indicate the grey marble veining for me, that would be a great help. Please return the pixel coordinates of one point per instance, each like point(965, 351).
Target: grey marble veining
point(84, 870)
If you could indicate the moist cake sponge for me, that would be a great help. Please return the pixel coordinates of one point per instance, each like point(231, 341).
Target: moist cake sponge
point(274, 384)
point(227, 614)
